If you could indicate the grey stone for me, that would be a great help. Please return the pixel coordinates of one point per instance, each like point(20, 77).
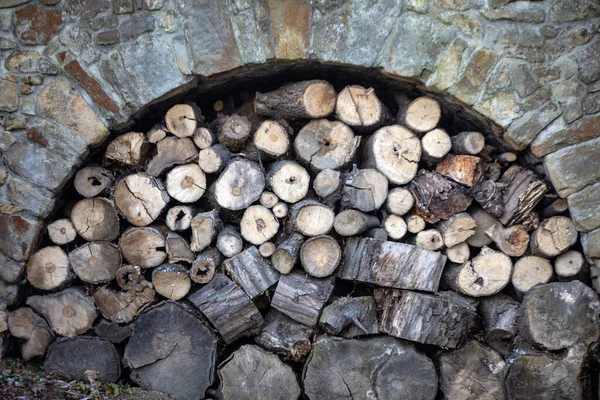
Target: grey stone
point(568, 40)
point(9, 95)
point(445, 74)
point(179, 51)
point(26, 196)
point(3, 175)
point(550, 31)
point(108, 37)
point(103, 22)
point(565, 91)
point(500, 106)
point(572, 10)
point(536, 100)
point(85, 8)
point(12, 3)
point(475, 75)
point(456, 5)
point(11, 123)
point(523, 80)
point(575, 167)
point(522, 41)
point(29, 61)
point(584, 206)
point(11, 271)
point(587, 60)
point(79, 40)
point(525, 129)
point(134, 26)
point(153, 4)
point(6, 20)
point(572, 110)
point(6, 139)
point(546, 73)
point(122, 6)
point(591, 244)
point(518, 12)
point(28, 105)
point(19, 234)
point(7, 43)
point(252, 29)
point(591, 104)
point(420, 6)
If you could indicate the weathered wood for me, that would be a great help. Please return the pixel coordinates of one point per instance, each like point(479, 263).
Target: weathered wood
point(271, 139)
point(182, 119)
point(48, 269)
point(459, 253)
point(75, 357)
point(530, 271)
point(213, 159)
point(233, 131)
point(307, 99)
point(358, 368)
point(204, 138)
point(171, 281)
point(95, 219)
point(490, 195)
point(268, 199)
point(258, 224)
point(178, 249)
point(144, 247)
point(229, 241)
point(499, 313)
point(570, 265)
point(128, 276)
point(457, 229)
point(169, 152)
point(286, 255)
point(61, 231)
point(310, 218)
point(24, 323)
point(324, 144)
point(377, 233)
point(280, 210)
point(227, 308)
point(395, 226)
point(252, 373)
point(69, 312)
point(360, 108)
point(164, 355)
point(468, 142)
point(157, 133)
point(557, 207)
point(251, 272)
point(364, 189)
point(430, 239)
point(554, 236)
point(179, 218)
point(239, 185)
point(420, 115)
point(354, 222)
point(466, 170)
point(437, 197)
point(414, 223)
point(267, 249)
point(284, 336)
point(327, 185)
point(96, 262)
point(301, 297)
point(186, 183)
point(350, 317)
point(288, 180)
point(472, 372)
point(512, 241)
point(122, 306)
point(112, 332)
point(93, 181)
point(484, 275)
point(128, 150)
point(425, 318)
point(204, 229)
point(524, 189)
point(436, 144)
point(484, 221)
point(204, 266)
point(399, 201)
point(320, 255)
point(140, 198)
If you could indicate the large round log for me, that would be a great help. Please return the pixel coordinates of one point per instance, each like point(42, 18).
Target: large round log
point(169, 152)
point(399, 201)
point(24, 323)
point(179, 218)
point(360, 107)
point(96, 262)
point(421, 115)
point(354, 222)
point(128, 150)
point(144, 247)
point(229, 241)
point(122, 306)
point(92, 181)
point(95, 219)
point(61, 231)
point(48, 269)
point(233, 131)
point(554, 236)
point(284, 336)
point(271, 139)
point(484, 275)
point(186, 183)
point(289, 181)
point(364, 189)
point(182, 119)
point(171, 281)
point(512, 241)
point(530, 271)
point(286, 255)
point(204, 266)
point(140, 198)
point(350, 317)
point(320, 256)
point(239, 185)
point(310, 218)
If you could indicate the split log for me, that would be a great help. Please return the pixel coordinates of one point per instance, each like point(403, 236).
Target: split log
point(466, 170)
point(171, 281)
point(252, 273)
point(258, 225)
point(560, 315)
point(271, 139)
point(436, 145)
point(112, 332)
point(350, 317)
point(182, 119)
point(484, 221)
point(204, 229)
point(24, 323)
point(499, 313)
point(472, 372)
point(320, 255)
point(557, 207)
point(468, 142)
point(93, 181)
point(364, 189)
point(96, 262)
point(204, 138)
point(324, 144)
point(128, 150)
point(284, 336)
point(157, 133)
point(252, 373)
point(360, 108)
point(164, 355)
point(286, 255)
point(186, 183)
point(144, 247)
point(280, 210)
point(61, 231)
point(524, 189)
point(399, 201)
point(310, 218)
point(268, 199)
point(459, 253)
point(267, 249)
point(95, 219)
point(415, 223)
point(229, 241)
point(75, 357)
point(554, 236)
point(346, 368)
point(233, 131)
point(570, 265)
point(69, 312)
point(122, 306)
point(213, 159)
point(288, 180)
point(239, 185)
point(392, 264)
point(227, 308)
point(308, 99)
point(395, 226)
point(140, 198)
point(128, 276)
point(430, 239)
point(530, 271)
point(48, 269)
point(490, 195)
point(484, 275)
point(395, 152)
point(179, 218)
point(169, 152)
point(204, 266)
point(512, 241)
point(457, 229)
point(327, 185)
point(354, 222)
point(420, 115)
point(437, 197)
point(301, 297)
point(425, 318)
point(178, 249)
point(10, 293)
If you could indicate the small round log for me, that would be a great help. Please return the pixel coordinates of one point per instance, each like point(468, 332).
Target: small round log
point(569, 264)
point(271, 139)
point(325, 144)
point(512, 241)
point(529, 271)
point(286, 255)
point(233, 132)
point(354, 222)
point(483, 221)
point(93, 181)
point(364, 189)
point(128, 276)
point(436, 144)
point(179, 218)
point(459, 253)
point(144, 247)
point(95, 219)
point(395, 226)
point(308, 99)
point(289, 181)
point(204, 266)
point(48, 269)
point(420, 115)
point(182, 119)
point(429, 239)
point(557, 207)
point(239, 185)
point(484, 275)
point(213, 159)
point(554, 236)
point(268, 199)
point(266, 249)
point(310, 218)
point(280, 210)
point(24, 323)
point(258, 225)
point(327, 182)
point(457, 229)
point(178, 249)
point(128, 150)
point(359, 107)
point(469, 142)
point(399, 201)
point(414, 223)
point(171, 281)
point(186, 183)
point(229, 241)
point(61, 231)
point(140, 198)
point(320, 256)
point(96, 262)
point(204, 138)
point(157, 133)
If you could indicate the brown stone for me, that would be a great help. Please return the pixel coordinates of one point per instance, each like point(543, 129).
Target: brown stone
point(14, 123)
point(122, 6)
point(91, 86)
point(9, 96)
point(29, 61)
point(61, 102)
point(26, 89)
point(475, 75)
point(19, 234)
point(552, 140)
point(37, 25)
point(584, 206)
point(291, 22)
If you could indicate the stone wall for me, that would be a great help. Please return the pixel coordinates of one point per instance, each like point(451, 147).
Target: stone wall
point(72, 70)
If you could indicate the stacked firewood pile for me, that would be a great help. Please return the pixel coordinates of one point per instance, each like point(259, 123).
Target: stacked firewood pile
point(306, 221)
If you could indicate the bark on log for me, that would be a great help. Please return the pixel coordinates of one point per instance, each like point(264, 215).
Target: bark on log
point(204, 266)
point(512, 241)
point(308, 99)
point(554, 236)
point(399, 201)
point(186, 183)
point(95, 219)
point(392, 264)
point(310, 218)
point(140, 198)
point(213, 159)
point(557, 207)
point(179, 218)
point(112, 332)
point(122, 306)
point(484, 275)
point(233, 131)
point(570, 265)
point(169, 152)
point(204, 138)
point(239, 185)
point(24, 323)
point(395, 226)
point(499, 313)
point(320, 255)
point(284, 336)
point(523, 191)
point(286, 255)
point(96, 262)
point(364, 189)
point(144, 247)
point(436, 145)
point(350, 317)
point(271, 139)
point(48, 269)
point(229, 241)
point(468, 142)
point(182, 119)
point(227, 308)
point(128, 150)
point(530, 271)
point(157, 133)
point(93, 181)
point(253, 274)
point(258, 225)
point(360, 108)
point(484, 221)
point(354, 222)
point(490, 195)
point(204, 229)
point(430, 239)
point(61, 231)
point(128, 276)
point(466, 170)
point(457, 229)
point(178, 249)
point(288, 180)
point(420, 115)
point(171, 281)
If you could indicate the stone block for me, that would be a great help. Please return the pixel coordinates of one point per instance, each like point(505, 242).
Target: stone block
point(252, 28)
point(11, 271)
point(572, 10)
point(29, 61)
point(80, 42)
point(591, 104)
point(103, 22)
point(108, 37)
point(587, 60)
point(522, 41)
point(546, 73)
point(585, 208)
point(456, 5)
point(557, 136)
point(134, 26)
point(28, 106)
point(479, 67)
point(37, 25)
point(518, 12)
point(501, 107)
point(9, 95)
point(85, 8)
point(6, 139)
point(7, 43)
point(591, 244)
point(122, 6)
point(93, 88)
point(572, 110)
point(525, 129)
point(291, 23)
point(445, 74)
point(6, 20)
point(153, 4)
point(19, 234)
point(26, 196)
point(12, 3)
point(523, 80)
point(567, 90)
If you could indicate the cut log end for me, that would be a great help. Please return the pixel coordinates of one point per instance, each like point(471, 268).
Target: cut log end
point(182, 119)
point(360, 107)
point(320, 256)
point(61, 231)
point(171, 281)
